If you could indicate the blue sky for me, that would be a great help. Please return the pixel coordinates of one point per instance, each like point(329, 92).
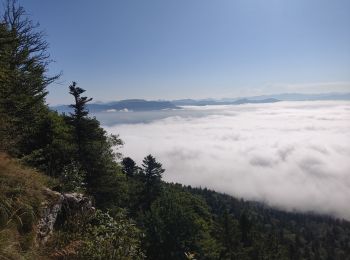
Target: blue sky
point(160, 49)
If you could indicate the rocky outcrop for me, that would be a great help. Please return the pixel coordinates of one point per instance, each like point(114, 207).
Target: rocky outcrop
point(49, 212)
point(77, 202)
point(55, 204)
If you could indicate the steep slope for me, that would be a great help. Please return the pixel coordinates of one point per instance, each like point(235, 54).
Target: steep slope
point(39, 223)
point(21, 196)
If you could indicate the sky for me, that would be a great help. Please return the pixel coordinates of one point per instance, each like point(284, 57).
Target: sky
point(167, 49)
point(290, 155)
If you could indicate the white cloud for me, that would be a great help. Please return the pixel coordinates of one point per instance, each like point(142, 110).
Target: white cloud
point(292, 155)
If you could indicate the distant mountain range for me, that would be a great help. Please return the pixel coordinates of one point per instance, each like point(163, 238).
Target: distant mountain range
point(146, 105)
point(208, 102)
point(263, 99)
point(123, 105)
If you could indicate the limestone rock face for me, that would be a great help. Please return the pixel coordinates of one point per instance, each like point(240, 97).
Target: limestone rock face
point(56, 204)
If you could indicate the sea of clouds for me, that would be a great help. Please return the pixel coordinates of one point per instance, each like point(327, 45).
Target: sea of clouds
point(291, 155)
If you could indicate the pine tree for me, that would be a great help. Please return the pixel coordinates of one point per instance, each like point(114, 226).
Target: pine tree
point(80, 110)
point(129, 167)
point(95, 154)
point(152, 175)
point(24, 64)
point(79, 115)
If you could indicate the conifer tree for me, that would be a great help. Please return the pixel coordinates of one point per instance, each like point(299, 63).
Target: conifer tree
point(79, 115)
point(152, 175)
point(24, 64)
point(80, 110)
point(129, 167)
point(95, 154)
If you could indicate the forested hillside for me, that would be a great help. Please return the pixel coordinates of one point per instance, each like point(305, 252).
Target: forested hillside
point(136, 215)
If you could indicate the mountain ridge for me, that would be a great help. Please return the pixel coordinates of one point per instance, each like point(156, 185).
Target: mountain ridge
point(126, 105)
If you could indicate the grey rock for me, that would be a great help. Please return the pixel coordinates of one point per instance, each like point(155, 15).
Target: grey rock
point(55, 204)
point(49, 212)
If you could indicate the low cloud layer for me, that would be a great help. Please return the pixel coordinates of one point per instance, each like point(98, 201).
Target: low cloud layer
point(292, 155)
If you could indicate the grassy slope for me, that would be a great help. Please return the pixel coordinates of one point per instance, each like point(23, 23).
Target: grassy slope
point(21, 194)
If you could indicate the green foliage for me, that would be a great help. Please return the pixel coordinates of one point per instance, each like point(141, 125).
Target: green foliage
point(79, 118)
point(228, 235)
point(72, 178)
point(111, 238)
point(129, 167)
point(151, 176)
point(97, 236)
point(152, 169)
point(56, 148)
point(23, 79)
point(95, 154)
point(178, 223)
point(80, 110)
point(250, 230)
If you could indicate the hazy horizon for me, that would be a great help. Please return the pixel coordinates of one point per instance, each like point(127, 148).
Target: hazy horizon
point(314, 95)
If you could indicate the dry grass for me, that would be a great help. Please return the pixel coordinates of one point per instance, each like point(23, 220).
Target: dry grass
point(21, 195)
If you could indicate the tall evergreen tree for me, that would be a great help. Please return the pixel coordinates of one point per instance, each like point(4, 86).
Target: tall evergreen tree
point(152, 175)
point(80, 110)
point(79, 115)
point(95, 153)
point(23, 79)
point(129, 167)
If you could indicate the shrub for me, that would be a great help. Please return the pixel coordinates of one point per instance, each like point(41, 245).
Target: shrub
point(72, 177)
point(97, 236)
